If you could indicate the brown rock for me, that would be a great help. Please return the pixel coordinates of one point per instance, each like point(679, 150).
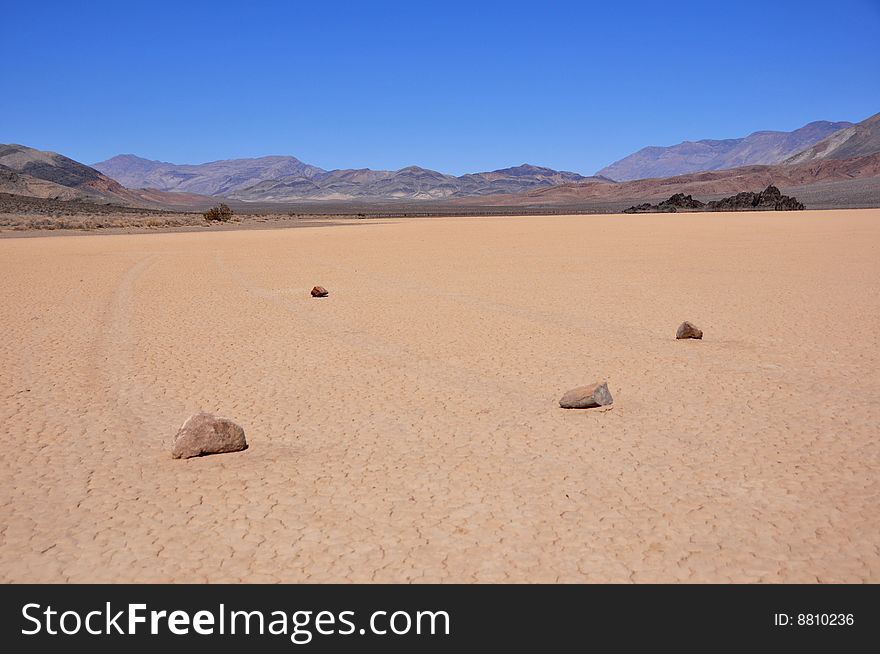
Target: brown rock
point(204, 433)
point(320, 291)
point(688, 330)
point(585, 397)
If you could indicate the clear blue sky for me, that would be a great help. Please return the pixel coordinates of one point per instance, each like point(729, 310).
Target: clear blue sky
point(454, 86)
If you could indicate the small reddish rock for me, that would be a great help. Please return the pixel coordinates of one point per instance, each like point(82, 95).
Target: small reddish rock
point(586, 397)
point(688, 330)
point(204, 433)
point(320, 291)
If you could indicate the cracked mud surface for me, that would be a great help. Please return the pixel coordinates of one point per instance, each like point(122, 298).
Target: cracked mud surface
point(407, 428)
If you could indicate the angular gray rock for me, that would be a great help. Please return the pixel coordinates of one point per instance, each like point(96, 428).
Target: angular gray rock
point(688, 330)
point(204, 433)
point(586, 397)
point(320, 291)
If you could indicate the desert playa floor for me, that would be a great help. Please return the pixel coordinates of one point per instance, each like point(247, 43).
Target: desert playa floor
point(406, 428)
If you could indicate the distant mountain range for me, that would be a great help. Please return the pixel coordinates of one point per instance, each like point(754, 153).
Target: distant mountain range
point(845, 165)
point(287, 179)
point(412, 183)
point(765, 147)
point(849, 154)
point(215, 178)
point(709, 183)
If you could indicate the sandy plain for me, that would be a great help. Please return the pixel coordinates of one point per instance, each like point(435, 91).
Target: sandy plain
point(406, 428)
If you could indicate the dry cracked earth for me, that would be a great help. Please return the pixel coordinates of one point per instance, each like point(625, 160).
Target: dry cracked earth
point(406, 428)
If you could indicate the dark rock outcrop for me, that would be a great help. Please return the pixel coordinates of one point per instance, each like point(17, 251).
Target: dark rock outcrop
point(682, 201)
point(672, 205)
point(771, 198)
point(645, 207)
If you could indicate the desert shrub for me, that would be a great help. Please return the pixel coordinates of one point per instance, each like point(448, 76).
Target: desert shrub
point(220, 213)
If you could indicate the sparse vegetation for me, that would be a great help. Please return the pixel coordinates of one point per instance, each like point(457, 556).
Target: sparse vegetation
point(220, 213)
point(22, 213)
point(86, 222)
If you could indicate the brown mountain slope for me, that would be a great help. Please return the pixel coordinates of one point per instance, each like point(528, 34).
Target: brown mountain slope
point(34, 173)
point(51, 175)
point(859, 140)
point(17, 183)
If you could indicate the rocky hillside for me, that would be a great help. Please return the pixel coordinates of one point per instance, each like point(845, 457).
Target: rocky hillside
point(766, 147)
point(35, 173)
point(17, 183)
point(858, 140)
point(215, 178)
